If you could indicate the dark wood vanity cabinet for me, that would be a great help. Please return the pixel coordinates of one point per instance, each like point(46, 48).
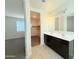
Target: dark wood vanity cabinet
point(59, 45)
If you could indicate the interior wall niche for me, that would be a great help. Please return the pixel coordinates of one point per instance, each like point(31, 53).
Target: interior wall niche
point(70, 23)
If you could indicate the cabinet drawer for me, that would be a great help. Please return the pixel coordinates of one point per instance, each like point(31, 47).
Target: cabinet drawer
point(58, 40)
point(64, 42)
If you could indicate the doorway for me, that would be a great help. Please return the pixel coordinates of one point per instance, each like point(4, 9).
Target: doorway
point(35, 28)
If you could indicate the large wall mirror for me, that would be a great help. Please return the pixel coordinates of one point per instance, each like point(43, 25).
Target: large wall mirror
point(62, 25)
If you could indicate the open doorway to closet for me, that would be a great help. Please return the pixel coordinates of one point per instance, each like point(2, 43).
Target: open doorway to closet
point(35, 28)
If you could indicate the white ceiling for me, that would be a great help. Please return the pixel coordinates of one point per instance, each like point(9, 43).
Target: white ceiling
point(49, 5)
point(14, 8)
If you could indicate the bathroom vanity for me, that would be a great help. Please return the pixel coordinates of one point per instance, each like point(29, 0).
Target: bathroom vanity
point(61, 42)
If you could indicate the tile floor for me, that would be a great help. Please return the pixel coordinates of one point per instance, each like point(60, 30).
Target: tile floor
point(43, 52)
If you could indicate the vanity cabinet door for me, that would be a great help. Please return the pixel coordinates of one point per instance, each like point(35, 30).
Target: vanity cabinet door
point(62, 50)
point(59, 45)
point(47, 39)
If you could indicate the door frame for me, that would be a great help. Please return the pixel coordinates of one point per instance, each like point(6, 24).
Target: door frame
point(38, 11)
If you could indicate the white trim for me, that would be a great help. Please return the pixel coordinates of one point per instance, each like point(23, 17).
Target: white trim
point(28, 26)
point(35, 9)
point(28, 56)
point(41, 35)
point(14, 17)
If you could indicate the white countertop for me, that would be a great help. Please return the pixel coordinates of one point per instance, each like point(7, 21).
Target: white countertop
point(68, 36)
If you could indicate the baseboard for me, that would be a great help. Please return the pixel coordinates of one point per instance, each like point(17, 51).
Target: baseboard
point(28, 56)
point(15, 38)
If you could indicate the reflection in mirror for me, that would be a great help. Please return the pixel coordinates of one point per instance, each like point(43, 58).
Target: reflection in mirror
point(57, 24)
point(14, 30)
point(70, 23)
point(60, 23)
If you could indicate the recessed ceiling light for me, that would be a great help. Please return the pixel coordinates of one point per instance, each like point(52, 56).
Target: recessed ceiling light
point(44, 1)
